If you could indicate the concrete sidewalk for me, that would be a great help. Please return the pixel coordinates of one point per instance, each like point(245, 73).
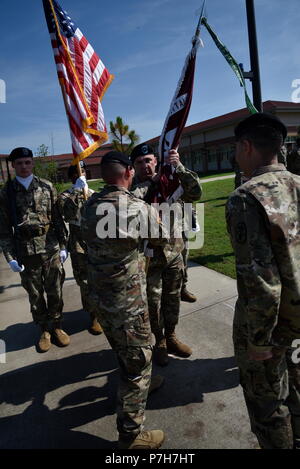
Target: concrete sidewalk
point(66, 397)
point(219, 178)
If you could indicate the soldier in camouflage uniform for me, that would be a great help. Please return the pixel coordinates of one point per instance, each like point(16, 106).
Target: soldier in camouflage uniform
point(282, 155)
point(293, 159)
point(185, 294)
point(70, 203)
point(117, 284)
point(166, 268)
point(263, 221)
point(37, 249)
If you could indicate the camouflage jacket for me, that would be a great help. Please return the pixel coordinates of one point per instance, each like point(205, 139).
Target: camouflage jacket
point(70, 203)
point(41, 229)
point(110, 224)
point(263, 221)
point(192, 191)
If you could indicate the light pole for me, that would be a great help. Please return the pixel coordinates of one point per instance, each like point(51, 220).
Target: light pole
point(254, 75)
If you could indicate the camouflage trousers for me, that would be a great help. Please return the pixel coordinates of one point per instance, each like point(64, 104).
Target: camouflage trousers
point(44, 274)
point(79, 266)
point(185, 255)
point(272, 394)
point(132, 344)
point(164, 281)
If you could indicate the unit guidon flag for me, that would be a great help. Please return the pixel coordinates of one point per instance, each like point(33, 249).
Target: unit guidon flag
point(174, 125)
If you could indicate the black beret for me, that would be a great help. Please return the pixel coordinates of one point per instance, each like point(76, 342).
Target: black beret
point(20, 152)
point(260, 119)
point(116, 157)
point(141, 150)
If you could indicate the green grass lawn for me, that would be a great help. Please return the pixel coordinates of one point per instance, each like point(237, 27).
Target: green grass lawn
point(216, 175)
point(95, 185)
point(217, 253)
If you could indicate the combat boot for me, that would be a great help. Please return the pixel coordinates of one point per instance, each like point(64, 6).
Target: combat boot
point(160, 353)
point(45, 341)
point(177, 347)
point(61, 336)
point(145, 440)
point(95, 328)
point(156, 382)
point(187, 296)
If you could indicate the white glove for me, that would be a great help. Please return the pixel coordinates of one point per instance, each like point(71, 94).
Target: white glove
point(80, 183)
point(63, 255)
point(15, 267)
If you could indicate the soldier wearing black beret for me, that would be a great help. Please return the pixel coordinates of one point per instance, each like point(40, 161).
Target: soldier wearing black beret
point(263, 221)
point(33, 240)
point(167, 271)
point(70, 203)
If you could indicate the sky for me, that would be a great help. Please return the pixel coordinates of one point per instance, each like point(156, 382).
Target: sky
point(144, 44)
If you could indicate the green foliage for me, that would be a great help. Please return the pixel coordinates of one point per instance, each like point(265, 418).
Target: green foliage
point(123, 139)
point(42, 150)
point(217, 253)
point(45, 169)
point(95, 185)
point(59, 186)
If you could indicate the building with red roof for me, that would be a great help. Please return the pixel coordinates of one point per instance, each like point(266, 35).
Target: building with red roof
point(209, 145)
point(206, 146)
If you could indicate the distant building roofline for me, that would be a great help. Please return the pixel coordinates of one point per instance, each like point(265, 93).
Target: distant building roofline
point(229, 118)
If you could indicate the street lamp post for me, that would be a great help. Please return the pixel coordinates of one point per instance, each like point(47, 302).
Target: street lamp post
point(254, 75)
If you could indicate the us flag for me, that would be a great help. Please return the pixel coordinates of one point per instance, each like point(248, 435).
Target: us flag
point(83, 79)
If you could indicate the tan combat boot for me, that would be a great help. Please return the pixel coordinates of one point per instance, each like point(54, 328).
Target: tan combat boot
point(44, 342)
point(187, 296)
point(61, 336)
point(95, 328)
point(160, 353)
point(145, 440)
point(178, 348)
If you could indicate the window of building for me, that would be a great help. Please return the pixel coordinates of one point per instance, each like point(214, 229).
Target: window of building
point(290, 139)
point(212, 157)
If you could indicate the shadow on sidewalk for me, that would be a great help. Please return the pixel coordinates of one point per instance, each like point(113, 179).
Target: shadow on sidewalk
point(188, 380)
point(41, 427)
point(24, 335)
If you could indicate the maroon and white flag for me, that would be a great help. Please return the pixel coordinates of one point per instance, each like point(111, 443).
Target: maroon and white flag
point(170, 188)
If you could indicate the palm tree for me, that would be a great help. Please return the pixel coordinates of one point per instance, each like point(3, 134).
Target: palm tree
point(123, 139)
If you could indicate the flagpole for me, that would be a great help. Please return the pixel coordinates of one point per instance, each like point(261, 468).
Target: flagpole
point(198, 29)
